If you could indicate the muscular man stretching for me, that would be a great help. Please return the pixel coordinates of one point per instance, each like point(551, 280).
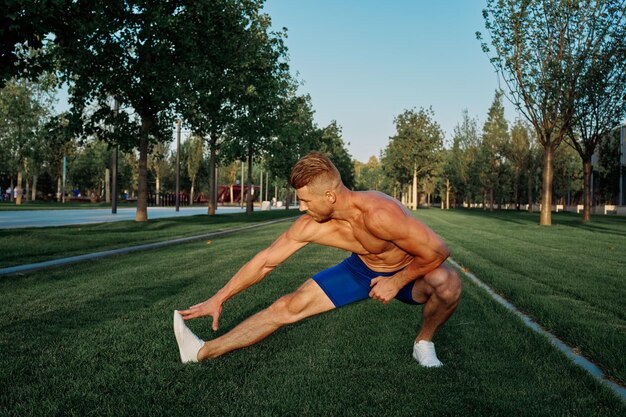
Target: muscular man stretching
point(393, 256)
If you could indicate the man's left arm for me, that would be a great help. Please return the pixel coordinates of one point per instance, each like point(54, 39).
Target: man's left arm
point(407, 233)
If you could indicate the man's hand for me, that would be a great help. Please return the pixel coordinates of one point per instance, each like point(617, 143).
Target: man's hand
point(384, 289)
point(210, 307)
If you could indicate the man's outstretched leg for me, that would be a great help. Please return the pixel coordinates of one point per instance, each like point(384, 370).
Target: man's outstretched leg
point(439, 291)
point(306, 301)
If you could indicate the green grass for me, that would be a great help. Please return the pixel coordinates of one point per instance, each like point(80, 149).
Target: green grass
point(96, 339)
point(570, 277)
point(29, 245)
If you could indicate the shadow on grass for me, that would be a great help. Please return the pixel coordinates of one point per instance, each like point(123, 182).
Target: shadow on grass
point(66, 321)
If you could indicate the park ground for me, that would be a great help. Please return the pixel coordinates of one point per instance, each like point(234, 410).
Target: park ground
point(95, 338)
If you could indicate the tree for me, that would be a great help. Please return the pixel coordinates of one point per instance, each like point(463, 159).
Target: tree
point(493, 150)
point(520, 155)
point(194, 154)
point(601, 100)
point(539, 51)
point(369, 175)
point(24, 108)
point(23, 29)
point(124, 50)
point(414, 150)
point(332, 144)
point(462, 165)
point(232, 78)
point(296, 136)
point(87, 168)
point(568, 174)
point(159, 165)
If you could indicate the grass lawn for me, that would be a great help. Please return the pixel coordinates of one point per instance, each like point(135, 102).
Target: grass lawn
point(570, 277)
point(96, 339)
point(29, 245)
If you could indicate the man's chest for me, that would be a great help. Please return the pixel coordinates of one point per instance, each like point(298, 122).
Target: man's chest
point(353, 237)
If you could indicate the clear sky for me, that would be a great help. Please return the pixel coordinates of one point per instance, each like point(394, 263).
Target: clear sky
point(364, 62)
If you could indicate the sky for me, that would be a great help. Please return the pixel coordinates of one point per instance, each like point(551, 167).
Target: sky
point(365, 62)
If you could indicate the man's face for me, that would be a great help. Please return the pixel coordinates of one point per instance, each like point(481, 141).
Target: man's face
point(316, 204)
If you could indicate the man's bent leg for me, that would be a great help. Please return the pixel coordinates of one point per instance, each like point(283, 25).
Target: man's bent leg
point(439, 291)
point(306, 301)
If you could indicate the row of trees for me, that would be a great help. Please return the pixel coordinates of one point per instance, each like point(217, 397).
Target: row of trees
point(493, 166)
point(216, 65)
point(220, 68)
point(563, 66)
point(89, 161)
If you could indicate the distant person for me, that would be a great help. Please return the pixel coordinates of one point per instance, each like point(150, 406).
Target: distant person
point(393, 256)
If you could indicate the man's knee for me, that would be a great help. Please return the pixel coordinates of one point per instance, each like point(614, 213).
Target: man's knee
point(289, 308)
point(446, 284)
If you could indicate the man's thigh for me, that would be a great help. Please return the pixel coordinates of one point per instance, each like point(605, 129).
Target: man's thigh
point(306, 301)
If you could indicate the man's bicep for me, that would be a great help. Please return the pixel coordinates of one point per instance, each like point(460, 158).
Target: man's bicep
point(412, 236)
point(423, 243)
point(286, 245)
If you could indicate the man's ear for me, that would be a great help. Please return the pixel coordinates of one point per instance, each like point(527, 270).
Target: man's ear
point(330, 196)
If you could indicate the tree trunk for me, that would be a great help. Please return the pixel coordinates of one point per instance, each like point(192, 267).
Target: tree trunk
point(59, 189)
point(484, 200)
point(546, 188)
point(33, 196)
point(530, 191)
point(587, 190)
point(516, 192)
point(157, 199)
point(447, 194)
point(193, 189)
point(414, 193)
point(107, 186)
point(18, 186)
point(249, 202)
point(141, 214)
point(491, 199)
point(212, 203)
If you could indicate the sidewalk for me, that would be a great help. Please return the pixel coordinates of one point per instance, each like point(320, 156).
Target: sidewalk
point(46, 218)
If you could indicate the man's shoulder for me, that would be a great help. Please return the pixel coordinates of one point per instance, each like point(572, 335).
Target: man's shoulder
point(377, 206)
point(384, 215)
point(304, 229)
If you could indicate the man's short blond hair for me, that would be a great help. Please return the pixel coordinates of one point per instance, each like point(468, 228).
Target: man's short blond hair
point(314, 169)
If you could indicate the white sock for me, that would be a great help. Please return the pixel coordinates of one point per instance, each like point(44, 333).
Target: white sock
point(188, 343)
point(424, 353)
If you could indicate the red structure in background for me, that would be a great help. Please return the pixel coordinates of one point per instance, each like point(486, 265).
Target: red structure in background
point(223, 194)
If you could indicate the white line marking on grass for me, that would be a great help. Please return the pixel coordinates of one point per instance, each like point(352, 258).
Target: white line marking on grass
point(568, 351)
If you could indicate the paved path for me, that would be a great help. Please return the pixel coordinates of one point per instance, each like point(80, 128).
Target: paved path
point(45, 218)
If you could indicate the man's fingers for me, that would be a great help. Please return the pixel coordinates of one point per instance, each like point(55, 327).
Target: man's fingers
point(375, 281)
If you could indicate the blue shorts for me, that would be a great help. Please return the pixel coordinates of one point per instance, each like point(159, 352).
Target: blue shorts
point(349, 282)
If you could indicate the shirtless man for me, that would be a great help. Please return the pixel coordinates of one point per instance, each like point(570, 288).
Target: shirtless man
point(393, 256)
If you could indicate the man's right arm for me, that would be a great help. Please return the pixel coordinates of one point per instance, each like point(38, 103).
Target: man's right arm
point(253, 271)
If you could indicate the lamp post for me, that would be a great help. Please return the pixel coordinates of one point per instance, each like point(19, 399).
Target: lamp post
point(178, 166)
